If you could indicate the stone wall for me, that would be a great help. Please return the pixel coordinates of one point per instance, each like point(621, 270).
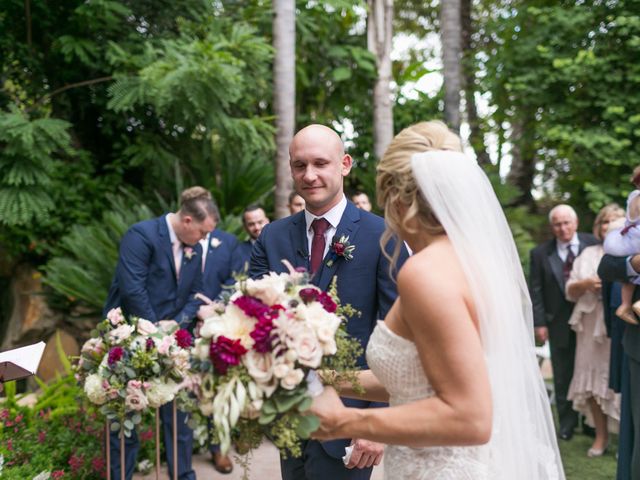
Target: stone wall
point(30, 320)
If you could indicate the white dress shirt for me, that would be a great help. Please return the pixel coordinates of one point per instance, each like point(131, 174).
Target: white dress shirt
point(563, 247)
point(333, 216)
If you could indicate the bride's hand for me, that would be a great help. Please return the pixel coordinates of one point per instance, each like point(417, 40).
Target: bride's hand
point(328, 408)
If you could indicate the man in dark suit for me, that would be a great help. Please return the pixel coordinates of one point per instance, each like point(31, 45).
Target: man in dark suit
point(159, 272)
point(551, 264)
point(620, 269)
point(254, 219)
point(318, 166)
point(218, 259)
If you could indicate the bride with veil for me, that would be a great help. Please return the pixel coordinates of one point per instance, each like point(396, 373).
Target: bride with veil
point(455, 355)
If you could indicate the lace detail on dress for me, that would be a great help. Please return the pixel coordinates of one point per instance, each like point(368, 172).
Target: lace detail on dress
point(395, 362)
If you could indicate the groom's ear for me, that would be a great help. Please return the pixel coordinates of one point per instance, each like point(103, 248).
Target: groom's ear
point(347, 163)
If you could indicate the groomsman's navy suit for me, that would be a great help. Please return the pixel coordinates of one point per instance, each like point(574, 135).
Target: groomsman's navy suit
point(363, 282)
point(145, 286)
point(243, 255)
point(220, 261)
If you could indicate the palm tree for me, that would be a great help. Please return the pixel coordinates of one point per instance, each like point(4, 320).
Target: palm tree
point(379, 42)
point(284, 96)
point(451, 37)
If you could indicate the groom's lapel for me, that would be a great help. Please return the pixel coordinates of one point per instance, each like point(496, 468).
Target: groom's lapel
point(299, 242)
point(348, 226)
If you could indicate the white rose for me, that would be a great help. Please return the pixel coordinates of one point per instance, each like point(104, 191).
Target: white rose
point(93, 389)
point(270, 289)
point(120, 334)
point(307, 347)
point(259, 365)
point(329, 347)
point(292, 379)
point(168, 326)
point(280, 370)
point(159, 393)
point(233, 324)
point(181, 361)
point(318, 317)
point(145, 327)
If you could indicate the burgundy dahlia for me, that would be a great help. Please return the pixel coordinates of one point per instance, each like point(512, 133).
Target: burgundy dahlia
point(252, 307)
point(327, 302)
point(261, 334)
point(183, 338)
point(115, 355)
point(149, 344)
point(225, 353)
point(308, 295)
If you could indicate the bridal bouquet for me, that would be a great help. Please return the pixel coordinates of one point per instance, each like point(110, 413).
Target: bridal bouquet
point(254, 355)
point(130, 365)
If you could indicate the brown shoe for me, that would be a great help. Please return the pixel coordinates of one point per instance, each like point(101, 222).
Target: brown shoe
point(625, 313)
point(222, 463)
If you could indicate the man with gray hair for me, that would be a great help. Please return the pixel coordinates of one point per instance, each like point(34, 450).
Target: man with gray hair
point(551, 264)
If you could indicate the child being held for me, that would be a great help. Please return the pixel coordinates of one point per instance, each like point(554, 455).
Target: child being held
point(624, 241)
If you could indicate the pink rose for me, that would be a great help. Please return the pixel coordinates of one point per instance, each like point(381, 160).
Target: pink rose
point(145, 327)
point(165, 344)
point(135, 399)
point(307, 347)
point(134, 384)
point(115, 316)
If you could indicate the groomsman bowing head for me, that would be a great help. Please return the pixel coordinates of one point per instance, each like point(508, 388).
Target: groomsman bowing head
point(158, 274)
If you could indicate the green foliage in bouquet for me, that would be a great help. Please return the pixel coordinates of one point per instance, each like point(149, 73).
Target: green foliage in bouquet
point(257, 355)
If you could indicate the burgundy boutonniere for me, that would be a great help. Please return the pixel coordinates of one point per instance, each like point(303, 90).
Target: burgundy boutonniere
point(340, 247)
point(189, 253)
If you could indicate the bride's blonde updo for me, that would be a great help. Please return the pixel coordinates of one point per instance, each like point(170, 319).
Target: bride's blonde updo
point(396, 185)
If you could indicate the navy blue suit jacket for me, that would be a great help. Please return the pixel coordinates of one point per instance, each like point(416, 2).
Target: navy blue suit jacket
point(145, 284)
point(242, 256)
point(363, 281)
point(219, 263)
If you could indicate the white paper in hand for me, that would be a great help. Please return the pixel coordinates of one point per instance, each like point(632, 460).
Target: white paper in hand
point(347, 454)
point(314, 385)
point(20, 362)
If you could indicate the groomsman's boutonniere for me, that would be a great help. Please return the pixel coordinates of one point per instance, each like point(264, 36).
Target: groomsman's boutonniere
point(215, 242)
point(340, 247)
point(189, 253)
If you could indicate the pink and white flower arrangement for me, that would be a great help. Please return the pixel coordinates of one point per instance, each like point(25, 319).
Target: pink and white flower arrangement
point(253, 356)
point(132, 364)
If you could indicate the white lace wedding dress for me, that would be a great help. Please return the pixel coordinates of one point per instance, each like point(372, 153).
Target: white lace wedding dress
point(394, 361)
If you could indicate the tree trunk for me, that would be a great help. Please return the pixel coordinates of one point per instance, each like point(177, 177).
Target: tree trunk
point(379, 42)
point(523, 162)
point(451, 39)
point(476, 137)
point(284, 96)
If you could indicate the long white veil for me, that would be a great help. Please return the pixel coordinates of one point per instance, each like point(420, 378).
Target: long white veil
point(523, 444)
